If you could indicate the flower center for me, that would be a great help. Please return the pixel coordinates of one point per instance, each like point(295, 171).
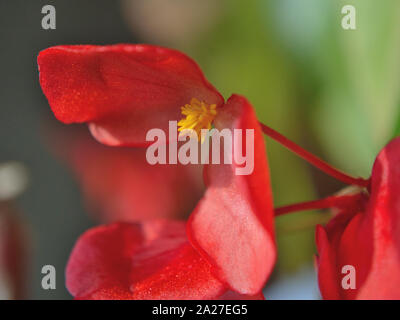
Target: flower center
point(199, 115)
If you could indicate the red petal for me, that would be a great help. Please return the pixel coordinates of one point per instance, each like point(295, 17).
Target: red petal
point(326, 263)
point(382, 227)
point(122, 91)
point(368, 239)
point(120, 185)
point(233, 223)
point(13, 254)
point(146, 261)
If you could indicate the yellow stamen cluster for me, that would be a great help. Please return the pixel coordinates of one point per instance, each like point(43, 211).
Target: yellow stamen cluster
point(199, 115)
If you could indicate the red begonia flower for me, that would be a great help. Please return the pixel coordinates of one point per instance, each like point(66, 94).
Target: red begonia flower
point(123, 90)
point(366, 236)
point(120, 185)
point(152, 260)
point(13, 254)
point(231, 238)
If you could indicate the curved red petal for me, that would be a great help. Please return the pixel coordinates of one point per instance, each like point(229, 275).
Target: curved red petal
point(366, 238)
point(139, 261)
point(120, 185)
point(233, 224)
point(382, 227)
point(122, 90)
point(326, 264)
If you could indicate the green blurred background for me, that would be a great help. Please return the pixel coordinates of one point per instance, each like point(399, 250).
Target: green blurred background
point(335, 92)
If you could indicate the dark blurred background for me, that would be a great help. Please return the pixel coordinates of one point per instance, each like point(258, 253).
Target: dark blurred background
point(52, 204)
point(333, 91)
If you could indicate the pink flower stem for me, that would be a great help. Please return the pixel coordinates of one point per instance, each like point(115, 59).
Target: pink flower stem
point(312, 159)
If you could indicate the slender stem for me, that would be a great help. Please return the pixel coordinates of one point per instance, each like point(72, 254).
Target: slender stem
point(314, 160)
point(328, 202)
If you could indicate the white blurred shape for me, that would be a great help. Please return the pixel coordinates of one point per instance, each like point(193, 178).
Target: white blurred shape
point(13, 179)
